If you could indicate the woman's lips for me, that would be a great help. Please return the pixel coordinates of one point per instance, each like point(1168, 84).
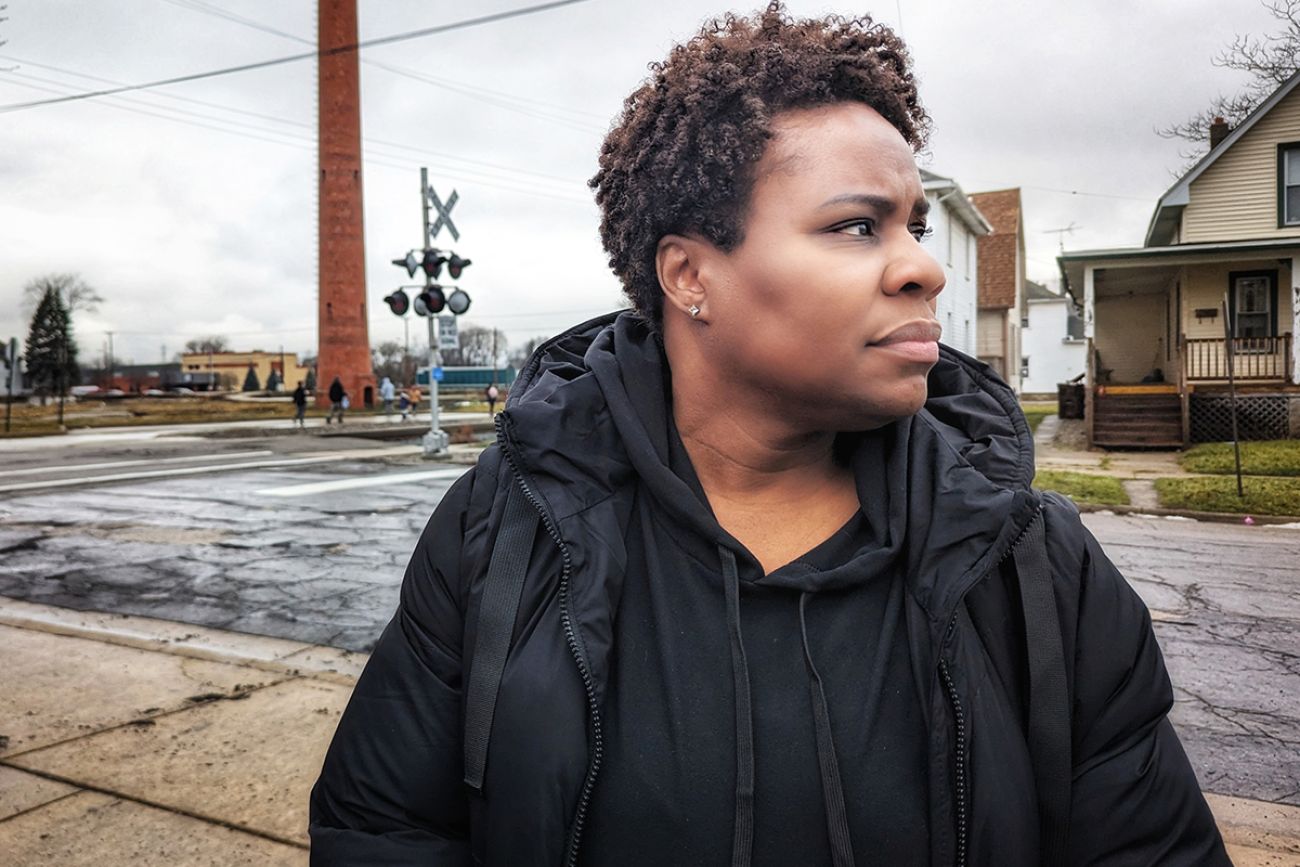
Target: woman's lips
point(925, 351)
point(916, 341)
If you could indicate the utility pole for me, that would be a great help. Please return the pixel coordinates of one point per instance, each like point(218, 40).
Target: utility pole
point(12, 359)
point(110, 359)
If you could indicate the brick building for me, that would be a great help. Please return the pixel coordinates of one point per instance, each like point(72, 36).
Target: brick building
point(1001, 284)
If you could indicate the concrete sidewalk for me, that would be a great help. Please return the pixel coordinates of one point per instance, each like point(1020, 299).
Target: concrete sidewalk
point(131, 741)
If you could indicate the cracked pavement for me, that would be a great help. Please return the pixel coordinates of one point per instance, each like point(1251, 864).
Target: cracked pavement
point(1226, 604)
point(326, 567)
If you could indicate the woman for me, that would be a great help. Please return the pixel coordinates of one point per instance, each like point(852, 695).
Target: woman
point(792, 599)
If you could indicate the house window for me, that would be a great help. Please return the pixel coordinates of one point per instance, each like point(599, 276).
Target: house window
point(1024, 366)
point(1252, 299)
point(952, 229)
point(1288, 183)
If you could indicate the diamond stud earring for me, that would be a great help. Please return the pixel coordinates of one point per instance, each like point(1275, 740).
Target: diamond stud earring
point(694, 311)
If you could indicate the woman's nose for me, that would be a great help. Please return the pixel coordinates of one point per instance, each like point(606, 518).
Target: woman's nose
point(914, 270)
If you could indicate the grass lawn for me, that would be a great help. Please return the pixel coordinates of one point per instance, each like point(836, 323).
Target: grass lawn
point(90, 413)
point(1263, 496)
point(1035, 413)
point(1267, 458)
point(1083, 487)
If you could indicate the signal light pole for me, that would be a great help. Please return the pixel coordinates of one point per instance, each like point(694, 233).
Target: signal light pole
point(431, 298)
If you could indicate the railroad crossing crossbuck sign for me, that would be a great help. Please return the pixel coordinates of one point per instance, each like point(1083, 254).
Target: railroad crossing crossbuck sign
point(444, 214)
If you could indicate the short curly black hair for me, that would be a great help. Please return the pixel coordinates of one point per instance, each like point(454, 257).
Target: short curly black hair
point(681, 157)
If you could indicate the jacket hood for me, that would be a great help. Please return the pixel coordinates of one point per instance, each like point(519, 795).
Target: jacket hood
point(945, 492)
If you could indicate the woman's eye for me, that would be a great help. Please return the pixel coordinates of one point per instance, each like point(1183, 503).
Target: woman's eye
point(860, 228)
point(922, 232)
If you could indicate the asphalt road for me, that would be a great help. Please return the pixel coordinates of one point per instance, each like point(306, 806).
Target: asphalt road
point(307, 538)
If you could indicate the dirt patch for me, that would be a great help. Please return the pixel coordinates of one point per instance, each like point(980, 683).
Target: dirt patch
point(1071, 435)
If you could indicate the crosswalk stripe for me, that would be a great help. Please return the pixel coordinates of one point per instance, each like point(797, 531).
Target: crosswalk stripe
point(362, 482)
point(72, 468)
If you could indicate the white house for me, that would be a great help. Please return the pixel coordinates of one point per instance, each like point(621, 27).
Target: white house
point(1052, 345)
point(956, 223)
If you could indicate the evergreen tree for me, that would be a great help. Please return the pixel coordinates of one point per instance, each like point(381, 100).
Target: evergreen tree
point(51, 351)
point(310, 384)
point(250, 381)
point(273, 381)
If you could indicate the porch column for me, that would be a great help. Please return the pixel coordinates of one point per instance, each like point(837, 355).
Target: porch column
point(1089, 333)
point(1295, 319)
point(1089, 302)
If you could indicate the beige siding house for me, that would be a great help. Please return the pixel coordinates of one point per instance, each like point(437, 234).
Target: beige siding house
point(1217, 280)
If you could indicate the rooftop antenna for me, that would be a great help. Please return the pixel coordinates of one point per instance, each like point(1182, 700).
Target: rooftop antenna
point(1062, 232)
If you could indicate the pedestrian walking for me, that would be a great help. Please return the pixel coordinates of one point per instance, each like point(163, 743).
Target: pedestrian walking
point(338, 401)
point(300, 406)
point(404, 405)
point(811, 625)
point(386, 392)
point(492, 394)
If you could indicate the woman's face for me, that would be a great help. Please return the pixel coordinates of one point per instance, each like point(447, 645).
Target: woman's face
point(827, 306)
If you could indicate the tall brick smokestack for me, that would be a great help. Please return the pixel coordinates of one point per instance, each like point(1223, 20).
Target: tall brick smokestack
point(344, 342)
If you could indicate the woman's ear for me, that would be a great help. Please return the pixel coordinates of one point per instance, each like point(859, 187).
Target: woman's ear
point(682, 265)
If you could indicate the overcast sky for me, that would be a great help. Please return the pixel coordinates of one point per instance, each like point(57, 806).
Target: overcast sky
point(191, 207)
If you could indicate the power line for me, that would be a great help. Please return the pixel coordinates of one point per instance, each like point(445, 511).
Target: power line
point(1084, 193)
point(529, 106)
point(481, 177)
point(293, 58)
point(568, 184)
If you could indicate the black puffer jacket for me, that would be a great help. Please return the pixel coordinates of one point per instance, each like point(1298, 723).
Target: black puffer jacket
point(579, 434)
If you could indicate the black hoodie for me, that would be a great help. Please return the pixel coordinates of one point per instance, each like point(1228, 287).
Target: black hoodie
point(586, 433)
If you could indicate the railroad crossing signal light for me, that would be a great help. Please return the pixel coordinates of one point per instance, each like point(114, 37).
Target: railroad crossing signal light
point(432, 262)
point(410, 263)
point(458, 302)
point(398, 302)
point(432, 299)
point(455, 265)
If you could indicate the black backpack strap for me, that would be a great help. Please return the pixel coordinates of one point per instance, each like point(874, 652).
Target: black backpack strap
point(496, 626)
point(1049, 709)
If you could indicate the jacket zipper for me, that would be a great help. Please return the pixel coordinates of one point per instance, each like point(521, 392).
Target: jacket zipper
point(575, 649)
point(959, 715)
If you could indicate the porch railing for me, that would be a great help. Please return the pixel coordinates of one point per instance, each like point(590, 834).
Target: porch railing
point(1254, 358)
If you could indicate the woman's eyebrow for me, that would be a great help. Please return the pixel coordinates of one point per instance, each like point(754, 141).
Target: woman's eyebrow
point(883, 204)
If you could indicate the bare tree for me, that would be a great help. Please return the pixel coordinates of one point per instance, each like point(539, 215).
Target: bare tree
point(479, 347)
point(520, 355)
point(391, 359)
point(75, 293)
point(1269, 60)
point(211, 343)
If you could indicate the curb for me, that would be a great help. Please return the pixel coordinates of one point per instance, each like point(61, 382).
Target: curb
point(1211, 517)
point(272, 655)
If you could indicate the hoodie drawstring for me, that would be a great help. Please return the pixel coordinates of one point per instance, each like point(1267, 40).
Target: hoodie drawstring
point(742, 842)
point(837, 823)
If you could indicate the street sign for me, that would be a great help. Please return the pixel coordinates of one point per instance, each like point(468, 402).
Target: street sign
point(448, 336)
point(438, 375)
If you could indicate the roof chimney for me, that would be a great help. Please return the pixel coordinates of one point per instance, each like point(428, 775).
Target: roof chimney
point(1219, 130)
